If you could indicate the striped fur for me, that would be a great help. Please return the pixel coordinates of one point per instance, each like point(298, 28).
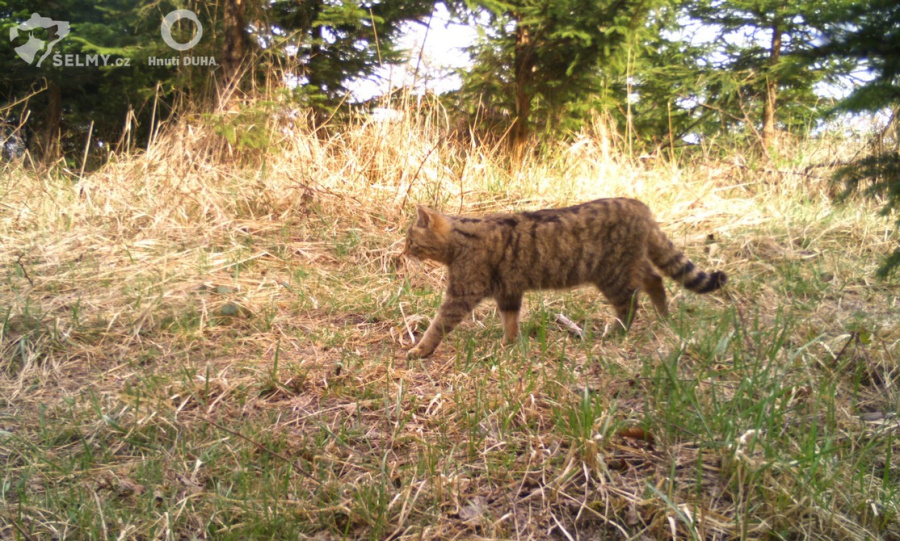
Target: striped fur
point(614, 244)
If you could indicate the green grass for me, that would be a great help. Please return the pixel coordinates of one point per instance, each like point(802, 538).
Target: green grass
point(235, 367)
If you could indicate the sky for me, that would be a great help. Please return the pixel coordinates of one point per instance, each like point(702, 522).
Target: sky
point(436, 50)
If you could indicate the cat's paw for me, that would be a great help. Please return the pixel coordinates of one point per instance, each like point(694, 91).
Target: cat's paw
point(418, 352)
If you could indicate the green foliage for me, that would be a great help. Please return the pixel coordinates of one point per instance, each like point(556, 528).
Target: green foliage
point(67, 97)
point(706, 70)
point(322, 44)
point(333, 43)
point(247, 130)
point(538, 60)
point(870, 34)
point(876, 175)
point(667, 71)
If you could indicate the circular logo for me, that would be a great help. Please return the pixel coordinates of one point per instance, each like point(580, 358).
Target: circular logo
point(174, 17)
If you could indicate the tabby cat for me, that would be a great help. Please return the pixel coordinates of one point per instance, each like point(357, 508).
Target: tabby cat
point(611, 243)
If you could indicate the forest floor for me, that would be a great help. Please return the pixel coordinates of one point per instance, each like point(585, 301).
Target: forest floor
point(202, 345)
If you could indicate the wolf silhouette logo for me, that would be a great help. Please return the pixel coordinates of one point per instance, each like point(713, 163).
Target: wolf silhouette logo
point(34, 45)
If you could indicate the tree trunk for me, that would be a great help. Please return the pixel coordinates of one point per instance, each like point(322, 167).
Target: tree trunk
point(52, 123)
point(523, 74)
point(768, 130)
point(234, 42)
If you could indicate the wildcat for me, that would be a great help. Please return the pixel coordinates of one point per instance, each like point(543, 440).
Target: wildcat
point(611, 243)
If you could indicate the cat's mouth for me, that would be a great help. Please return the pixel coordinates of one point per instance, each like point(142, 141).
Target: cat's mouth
point(408, 257)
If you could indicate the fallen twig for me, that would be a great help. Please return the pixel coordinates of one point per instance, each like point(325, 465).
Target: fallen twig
point(570, 326)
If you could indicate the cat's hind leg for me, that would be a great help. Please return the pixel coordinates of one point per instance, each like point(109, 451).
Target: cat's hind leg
point(652, 283)
point(623, 296)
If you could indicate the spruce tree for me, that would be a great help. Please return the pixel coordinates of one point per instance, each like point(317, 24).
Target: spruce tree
point(869, 32)
point(758, 68)
point(545, 51)
point(321, 44)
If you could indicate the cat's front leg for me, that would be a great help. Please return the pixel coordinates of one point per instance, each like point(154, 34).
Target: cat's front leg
point(451, 312)
point(509, 306)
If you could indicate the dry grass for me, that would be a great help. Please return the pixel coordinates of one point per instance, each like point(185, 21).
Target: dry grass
point(206, 340)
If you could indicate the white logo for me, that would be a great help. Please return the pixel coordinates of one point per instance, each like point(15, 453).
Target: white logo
point(174, 17)
point(32, 28)
point(34, 45)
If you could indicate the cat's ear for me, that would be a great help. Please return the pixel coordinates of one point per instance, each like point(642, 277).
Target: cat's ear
point(425, 214)
point(433, 220)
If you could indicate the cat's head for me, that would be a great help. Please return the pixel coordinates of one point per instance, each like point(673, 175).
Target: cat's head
point(429, 236)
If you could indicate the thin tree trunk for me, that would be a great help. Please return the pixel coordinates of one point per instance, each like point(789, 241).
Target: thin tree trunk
point(52, 123)
point(523, 67)
point(769, 140)
point(234, 48)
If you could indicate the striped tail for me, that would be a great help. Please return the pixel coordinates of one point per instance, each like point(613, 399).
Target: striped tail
point(676, 265)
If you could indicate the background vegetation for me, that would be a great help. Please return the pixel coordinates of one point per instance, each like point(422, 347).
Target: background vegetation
point(204, 315)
